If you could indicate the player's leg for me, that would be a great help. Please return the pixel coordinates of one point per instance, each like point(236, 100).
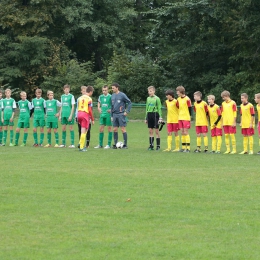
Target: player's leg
point(25, 136)
point(72, 134)
point(169, 137)
point(5, 132)
point(101, 134)
point(56, 134)
point(158, 139)
point(42, 132)
point(48, 125)
point(115, 130)
point(17, 133)
point(205, 138)
point(64, 123)
point(251, 132)
point(219, 139)
point(186, 134)
point(226, 132)
point(213, 140)
point(245, 142)
point(198, 149)
point(11, 133)
point(233, 139)
point(36, 123)
point(82, 140)
point(177, 139)
point(122, 125)
point(109, 129)
point(151, 125)
point(151, 139)
point(88, 135)
point(1, 133)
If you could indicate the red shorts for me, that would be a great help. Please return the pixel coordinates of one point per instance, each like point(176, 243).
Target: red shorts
point(248, 131)
point(216, 132)
point(201, 129)
point(83, 119)
point(258, 128)
point(184, 124)
point(173, 127)
point(228, 129)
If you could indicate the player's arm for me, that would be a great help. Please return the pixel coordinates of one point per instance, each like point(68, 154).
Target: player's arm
point(189, 107)
point(99, 105)
point(58, 103)
point(206, 110)
point(2, 112)
point(129, 105)
point(30, 106)
point(234, 107)
point(14, 107)
point(252, 112)
point(219, 116)
point(72, 108)
point(146, 110)
point(159, 107)
point(32, 109)
point(90, 110)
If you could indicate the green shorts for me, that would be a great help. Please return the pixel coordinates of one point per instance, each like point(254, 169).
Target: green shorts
point(23, 124)
point(52, 125)
point(65, 121)
point(7, 122)
point(1, 124)
point(105, 120)
point(38, 123)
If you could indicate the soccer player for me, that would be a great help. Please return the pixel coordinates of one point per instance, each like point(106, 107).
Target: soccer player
point(185, 111)
point(215, 124)
point(1, 124)
point(153, 117)
point(52, 114)
point(247, 123)
point(8, 109)
point(201, 109)
point(104, 108)
point(67, 115)
point(257, 100)
point(119, 100)
point(229, 116)
point(38, 108)
point(172, 121)
point(84, 107)
point(24, 118)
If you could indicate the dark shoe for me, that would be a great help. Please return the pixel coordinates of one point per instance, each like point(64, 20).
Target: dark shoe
point(114, 147)
point(150, 148)
point(124, 147)
point(158, 148)
point(197, 151)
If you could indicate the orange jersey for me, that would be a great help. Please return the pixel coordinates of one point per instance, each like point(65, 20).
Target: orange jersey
point(172, 111)
point(258, 112)
point(247, 111)
point(183, 104)
point(214, 113)
point(201, 109)
point(229, 112)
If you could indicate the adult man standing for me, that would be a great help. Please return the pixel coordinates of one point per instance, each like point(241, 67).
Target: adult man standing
point(120, 107)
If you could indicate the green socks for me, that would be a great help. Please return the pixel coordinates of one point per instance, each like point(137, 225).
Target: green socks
point(41, 138)
point(17, 136)
point(101, 137)
point(63, 137)
point(72, 137)
point(57, 138)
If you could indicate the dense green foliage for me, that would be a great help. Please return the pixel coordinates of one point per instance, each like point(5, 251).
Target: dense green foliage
point(203, 45)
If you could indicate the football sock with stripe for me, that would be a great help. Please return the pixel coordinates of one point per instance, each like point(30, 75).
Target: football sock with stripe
point(11, 136)
point(188, 142)
point(41, 138)
point(169, 142)
point(183, 142)
point(158, 142)
point(63, 137)
point(17, 136)
point(214, 143)
point(49, 138)
point(56, 137)
point(5, 136)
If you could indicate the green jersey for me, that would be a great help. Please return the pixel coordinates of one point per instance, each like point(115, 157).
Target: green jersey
point(52, 110)
point(105, 104)
point(66, 103)
point(39, 105)
point(24, 107)
point(153, 104)
point(1, 102)
point(8, 106)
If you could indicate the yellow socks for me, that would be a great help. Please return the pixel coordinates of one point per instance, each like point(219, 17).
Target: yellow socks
point(233, 140)
point(198, 141)
point(169, 142)
point(183, 142)
point(177, 143)
point(251, 143)
point(188, 142)
point(214, 143)
point(227, 142)
point(245, 143)
point(219, 139)
point(206, 142)
point(82, 140)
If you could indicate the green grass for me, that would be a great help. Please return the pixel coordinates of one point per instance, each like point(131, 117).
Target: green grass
point(62, 204)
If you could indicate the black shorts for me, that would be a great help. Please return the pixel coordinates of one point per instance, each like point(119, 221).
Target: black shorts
point(152, 120)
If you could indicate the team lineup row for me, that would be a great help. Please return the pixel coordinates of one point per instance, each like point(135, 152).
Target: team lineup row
point(113, 110)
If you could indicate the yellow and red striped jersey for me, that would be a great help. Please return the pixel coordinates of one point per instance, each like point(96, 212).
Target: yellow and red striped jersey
point(84, 102)
point(172, 111)
point(247, 111)
point(183, 104)
point(229, 112)
point(214, 113)
point(201, 109)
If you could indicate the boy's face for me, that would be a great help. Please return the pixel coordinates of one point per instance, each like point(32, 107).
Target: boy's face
point(151, 92)
point(179, 94)
point(105, 91)
point(257, 100)
point(90, 93)
point(1, 95)
point(211, 101)
point(197, 98)
point(83, 91)
point(225, 98)
point(38, 94)
point(50, 96)
point(169, 97)
point(23, 96)
point(8, 94)
point(243, 100)
point(66, 91)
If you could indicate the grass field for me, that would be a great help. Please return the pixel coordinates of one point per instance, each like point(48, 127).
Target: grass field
point(62, 204)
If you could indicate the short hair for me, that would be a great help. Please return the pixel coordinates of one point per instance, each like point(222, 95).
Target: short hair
point(244, 95)
point(198, 93)
point(116, 85)
point(49, 92)
point(22, 92)
point(38, 90)
point(66, 86)
point(83, 88)
point(89, 89)
point(8, 89)
point(181, 89)
point(225, 93)
point(105, 86)
point(169, 92)
point(151, 87)
point(211, 97)
point(257, 95)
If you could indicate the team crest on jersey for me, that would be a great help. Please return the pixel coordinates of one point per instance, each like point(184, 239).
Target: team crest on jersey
point(49, 104)
point(8, 102)
point(105, 99)
point(118, 101)
point(37, 102)
point(22, 105)
point(65, 99)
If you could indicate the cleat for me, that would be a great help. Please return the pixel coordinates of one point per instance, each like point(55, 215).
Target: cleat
point(197, 151)
point(212, 151)
point(181, 150)
point(233, 152)
point(167, 150)
point(98, 146)
point(40, 145)
point(227, 152)
point(78, 145)
point(150, 149)
point(3, 144)
point(158, 148)
point(186, 151)
point(107, 147)
point(47, 145)
point(62, 146)
point(12, 144)
point(206, 150)
point(257, 152)
point(124, 147)
point(72, 146)
point(251, 153)
point(83, 150)
point(23, 144)
point(56, 146)
point(114, 147)
point(217, 152)
point(175, 150)
point(244, 152)
point(35, 145)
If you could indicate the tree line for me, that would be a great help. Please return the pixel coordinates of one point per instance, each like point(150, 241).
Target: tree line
point(205, 45)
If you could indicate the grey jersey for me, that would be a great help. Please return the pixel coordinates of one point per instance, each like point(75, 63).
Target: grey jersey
point(118, 104)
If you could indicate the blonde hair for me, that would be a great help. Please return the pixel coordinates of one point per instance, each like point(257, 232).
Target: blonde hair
point(151, 87)
point(181, 89)
point(83, 88)
point(49, 92)
point(22, 93)
point(198, 93)
point(8, 89)
point(225, 93)
point(244, 95)
point(211, 97)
